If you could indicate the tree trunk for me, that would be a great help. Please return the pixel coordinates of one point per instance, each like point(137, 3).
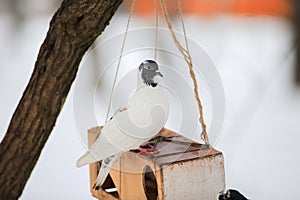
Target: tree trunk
point(73, 28)
point(296, 7)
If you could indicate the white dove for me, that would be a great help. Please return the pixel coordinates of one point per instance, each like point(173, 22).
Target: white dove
point(133, 125)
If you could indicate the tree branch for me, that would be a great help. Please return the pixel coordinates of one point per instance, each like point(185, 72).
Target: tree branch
point(73, 28)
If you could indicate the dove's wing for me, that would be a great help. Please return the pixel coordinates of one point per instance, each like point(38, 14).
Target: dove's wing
point(102, 147)
point(122, 133)
point(121, 109)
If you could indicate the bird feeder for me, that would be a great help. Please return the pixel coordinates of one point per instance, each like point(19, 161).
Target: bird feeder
point(181, 169)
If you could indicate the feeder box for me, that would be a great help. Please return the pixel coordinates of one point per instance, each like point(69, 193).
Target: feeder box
point(182, 169)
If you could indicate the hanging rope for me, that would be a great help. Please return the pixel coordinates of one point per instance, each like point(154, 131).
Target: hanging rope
point(183, 51)
point(119, 61)
point(156, 27)
point(116, 76)
point(188, 60)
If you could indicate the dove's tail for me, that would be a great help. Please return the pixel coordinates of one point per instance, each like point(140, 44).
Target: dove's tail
point(87, 158)
point(106, 165)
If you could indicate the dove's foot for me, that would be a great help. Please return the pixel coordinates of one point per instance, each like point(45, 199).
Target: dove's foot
point(148, 145)
point(147, 151)
point(148, 148)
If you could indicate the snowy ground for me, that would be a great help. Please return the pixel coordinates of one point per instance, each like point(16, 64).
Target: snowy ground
point(255, 60)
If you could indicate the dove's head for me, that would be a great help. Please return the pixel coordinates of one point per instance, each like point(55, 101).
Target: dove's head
point(149, 73)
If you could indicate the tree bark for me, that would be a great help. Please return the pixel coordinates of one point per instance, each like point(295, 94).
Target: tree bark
point(296, 7)
point(73, 28)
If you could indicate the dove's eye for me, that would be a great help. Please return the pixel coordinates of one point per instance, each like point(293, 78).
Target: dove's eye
point(148, 67)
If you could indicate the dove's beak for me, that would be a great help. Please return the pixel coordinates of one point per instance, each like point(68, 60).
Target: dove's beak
point(159, 74)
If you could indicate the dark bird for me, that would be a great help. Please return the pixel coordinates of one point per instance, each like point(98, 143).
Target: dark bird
point(231, 195)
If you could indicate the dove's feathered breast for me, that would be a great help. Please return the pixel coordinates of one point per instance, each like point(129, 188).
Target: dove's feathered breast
point(145, 99)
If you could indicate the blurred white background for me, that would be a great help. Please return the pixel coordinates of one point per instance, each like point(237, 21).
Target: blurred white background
point(254, 56)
